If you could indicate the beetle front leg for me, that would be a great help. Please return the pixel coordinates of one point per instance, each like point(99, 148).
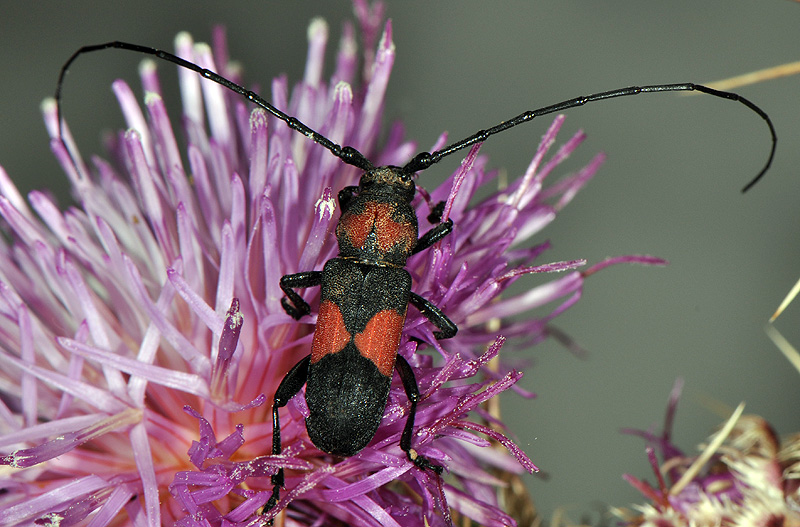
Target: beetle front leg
point(346, 196)
point(435, 216)
point(292, 303)
point(433, 236)
point(435, 316)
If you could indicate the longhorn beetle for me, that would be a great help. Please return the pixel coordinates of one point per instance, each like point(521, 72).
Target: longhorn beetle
point(365, 290)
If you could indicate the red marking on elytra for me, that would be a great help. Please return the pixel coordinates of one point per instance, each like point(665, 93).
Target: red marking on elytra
point(380, 339)
point(376, 218)
point(331, 334)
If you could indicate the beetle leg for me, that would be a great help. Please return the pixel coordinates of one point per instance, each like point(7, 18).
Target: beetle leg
point(412, 392)
point(346, 196)
point(436, 317)
point(288, 388)
point(433, 236)
point(435, 215)
point(292, 303)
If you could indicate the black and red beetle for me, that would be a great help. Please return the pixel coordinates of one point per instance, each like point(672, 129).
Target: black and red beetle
point(365, 290)
point(364, 297)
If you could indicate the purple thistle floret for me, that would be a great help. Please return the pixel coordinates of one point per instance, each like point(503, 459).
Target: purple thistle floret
point(145, 322)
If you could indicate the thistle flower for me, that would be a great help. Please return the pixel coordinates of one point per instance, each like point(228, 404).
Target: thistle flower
point(144, 324)
point(745, 476)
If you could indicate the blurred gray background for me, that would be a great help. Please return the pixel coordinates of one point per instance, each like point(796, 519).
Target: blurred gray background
point(670, 186)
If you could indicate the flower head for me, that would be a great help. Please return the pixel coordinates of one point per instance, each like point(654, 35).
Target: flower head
point(745, 476)
point(143, 334)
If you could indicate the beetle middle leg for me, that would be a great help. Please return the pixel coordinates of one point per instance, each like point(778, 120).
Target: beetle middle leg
point(447, 328)
point(293, 303)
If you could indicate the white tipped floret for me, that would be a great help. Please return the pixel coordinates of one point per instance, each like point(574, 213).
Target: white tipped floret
point(318, 28)
point(183, 39)
point(147, 67)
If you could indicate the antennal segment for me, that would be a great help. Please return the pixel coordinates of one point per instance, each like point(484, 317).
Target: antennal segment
point(348, 154)
point(423, 160)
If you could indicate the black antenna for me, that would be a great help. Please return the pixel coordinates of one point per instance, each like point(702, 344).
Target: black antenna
point(424, 159)
point(348, 154)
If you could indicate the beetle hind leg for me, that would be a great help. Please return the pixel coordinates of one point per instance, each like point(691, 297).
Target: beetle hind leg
point(288, 388)
point(412, 391)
